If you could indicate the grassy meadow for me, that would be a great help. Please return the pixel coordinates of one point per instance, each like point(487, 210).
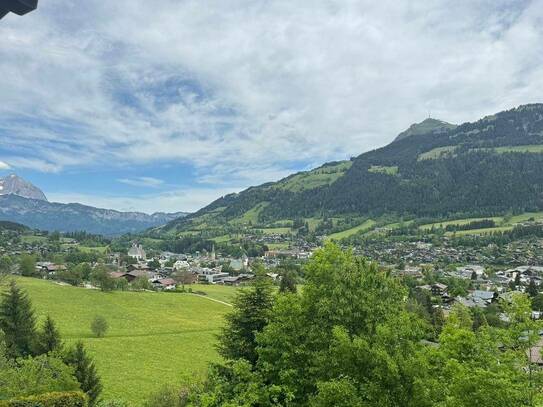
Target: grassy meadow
point(502, 224)
point(153, 338)
point(364, 226)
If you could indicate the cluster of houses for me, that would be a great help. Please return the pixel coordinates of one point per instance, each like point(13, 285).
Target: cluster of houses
point(186, 269)
point(490, 289)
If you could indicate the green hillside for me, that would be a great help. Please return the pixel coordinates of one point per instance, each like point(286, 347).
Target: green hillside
point(153, 338)
point(483, 168)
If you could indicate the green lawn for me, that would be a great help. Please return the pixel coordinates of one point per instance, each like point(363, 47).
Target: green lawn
point(459, 222)
point(315, 178)
point(153, 339)
point(484, 231)
point(278, 231)
point(33, 239)
point(98, 249)
point(532, 148)
point(502, 225)
point(392, 170)
point(436, 153)
point(365, 226)
point(217, 292)
point(222, 239)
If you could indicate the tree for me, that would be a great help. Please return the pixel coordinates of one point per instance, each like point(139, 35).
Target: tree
point(100, 277)
point(154, 264)
point(142, 283)
point(517, 280)
point(18, 322)
point(31, 376)
point(75, 274)
point(537, 302)
point(532, 290)
point(347, 331)
point(5, 266)
point(249, 316)
point(48, 339)
point(84, 371)
point(27, 266)
point(167, 396)
point(287, 283)
point(99, 326)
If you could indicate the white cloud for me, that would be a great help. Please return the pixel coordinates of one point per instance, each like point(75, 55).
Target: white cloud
point(187, 200)
point(244, 89)
point(144, 182)
point(4, 166)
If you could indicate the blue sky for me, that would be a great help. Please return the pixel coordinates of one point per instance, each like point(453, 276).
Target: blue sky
point(168, 105)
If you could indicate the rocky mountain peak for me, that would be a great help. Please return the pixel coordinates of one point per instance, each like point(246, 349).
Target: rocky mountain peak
point(15, 185)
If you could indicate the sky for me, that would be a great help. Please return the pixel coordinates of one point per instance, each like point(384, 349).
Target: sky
point(166, 105)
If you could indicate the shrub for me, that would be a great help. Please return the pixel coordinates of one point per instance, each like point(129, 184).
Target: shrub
point(99, 326)
point(58, 399)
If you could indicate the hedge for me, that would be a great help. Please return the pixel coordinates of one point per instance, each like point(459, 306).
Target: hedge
point(67, 399)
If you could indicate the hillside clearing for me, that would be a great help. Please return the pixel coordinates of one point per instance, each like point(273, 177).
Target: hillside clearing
point(363, 227)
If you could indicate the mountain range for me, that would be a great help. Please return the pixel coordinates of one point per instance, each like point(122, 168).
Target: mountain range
point(24, 203)
point(432, 169)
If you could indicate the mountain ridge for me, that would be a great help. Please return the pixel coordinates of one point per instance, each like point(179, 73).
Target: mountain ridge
point(492, 165)
point(24, 203)
point(54, 216)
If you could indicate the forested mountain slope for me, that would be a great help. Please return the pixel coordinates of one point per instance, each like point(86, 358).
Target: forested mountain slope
point(492, 165)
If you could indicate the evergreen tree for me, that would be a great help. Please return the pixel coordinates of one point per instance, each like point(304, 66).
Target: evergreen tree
point(517, 280)
point(84, 371)
point(288, 283)
point(249, 316)
point(532, 290)
point(48, 338)
point(18, 322)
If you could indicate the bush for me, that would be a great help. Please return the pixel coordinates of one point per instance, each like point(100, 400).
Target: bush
point(112, 403)
point(99, 326)
point(68, 399)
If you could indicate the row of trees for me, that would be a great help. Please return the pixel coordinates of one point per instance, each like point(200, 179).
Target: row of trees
point(35, 361)
point(352, 337)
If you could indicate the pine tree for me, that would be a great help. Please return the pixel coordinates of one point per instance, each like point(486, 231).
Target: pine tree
point(248, 317)
point(18, 322)
point(288, 283)
point(84, 371)
point(532, 290)
point(48, 338)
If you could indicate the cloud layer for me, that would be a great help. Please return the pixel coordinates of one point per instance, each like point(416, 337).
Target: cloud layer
point(246, 91)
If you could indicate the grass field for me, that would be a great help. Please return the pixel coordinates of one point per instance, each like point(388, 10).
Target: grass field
point(436, 153)
point(315, 178)
point(276, 231)
point(533, 148)
point(153, 338)
point(33, 239)
point(365, 226)
point(502, 225)
point(384, 169)
point(216, 292)
point(484, 231)
point(458, 222)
